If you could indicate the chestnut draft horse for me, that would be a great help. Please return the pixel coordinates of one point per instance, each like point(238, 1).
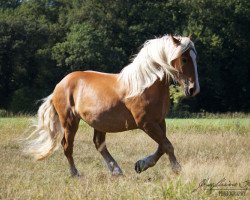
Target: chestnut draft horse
point(136, 98)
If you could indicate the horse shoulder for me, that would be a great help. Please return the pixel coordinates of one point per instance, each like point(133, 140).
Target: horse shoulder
point(151, 106)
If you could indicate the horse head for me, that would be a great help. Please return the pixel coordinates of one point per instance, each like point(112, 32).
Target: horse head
point(185, 65)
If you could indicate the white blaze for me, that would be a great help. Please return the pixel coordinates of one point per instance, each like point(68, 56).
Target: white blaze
point(193, 56)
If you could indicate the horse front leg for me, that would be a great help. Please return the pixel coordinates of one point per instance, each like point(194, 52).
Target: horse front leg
point(158, 133)
point(99, 141)
point(151, 160)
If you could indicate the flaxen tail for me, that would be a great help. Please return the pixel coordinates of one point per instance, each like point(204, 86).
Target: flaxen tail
point(47, 136)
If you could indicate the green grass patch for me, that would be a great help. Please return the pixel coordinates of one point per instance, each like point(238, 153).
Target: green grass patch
point(224, 125)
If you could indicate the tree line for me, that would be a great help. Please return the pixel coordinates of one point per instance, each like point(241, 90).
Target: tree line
point(43, 40)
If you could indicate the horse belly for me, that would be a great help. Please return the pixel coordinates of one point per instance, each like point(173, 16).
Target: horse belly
point(115, 119)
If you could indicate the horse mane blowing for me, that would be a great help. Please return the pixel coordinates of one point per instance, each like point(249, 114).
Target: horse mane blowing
point(153, 62)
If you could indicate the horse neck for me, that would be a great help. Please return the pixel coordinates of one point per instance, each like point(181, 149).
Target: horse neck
point(159, 87)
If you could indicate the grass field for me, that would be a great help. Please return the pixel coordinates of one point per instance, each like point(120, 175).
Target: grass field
point(211, 149)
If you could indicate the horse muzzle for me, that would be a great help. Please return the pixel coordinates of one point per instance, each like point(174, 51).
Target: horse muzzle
point(191, 89)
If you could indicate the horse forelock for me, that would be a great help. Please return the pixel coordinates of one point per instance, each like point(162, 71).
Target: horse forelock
point(152, 62)
point(185, 44)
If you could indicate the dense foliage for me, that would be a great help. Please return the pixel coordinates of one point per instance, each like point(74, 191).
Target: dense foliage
point(43, 40)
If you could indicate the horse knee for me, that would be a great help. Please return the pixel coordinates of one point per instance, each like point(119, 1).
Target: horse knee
point(68, 149)
point(168, 148)
point(100, 146)
point(99, 141)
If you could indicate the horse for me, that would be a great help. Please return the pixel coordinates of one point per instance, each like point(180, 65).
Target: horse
point(135, 98)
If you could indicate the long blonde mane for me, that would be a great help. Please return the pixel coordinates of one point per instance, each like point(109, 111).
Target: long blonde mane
point(152, 62)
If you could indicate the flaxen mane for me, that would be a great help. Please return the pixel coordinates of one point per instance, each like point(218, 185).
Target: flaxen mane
point(153, 62)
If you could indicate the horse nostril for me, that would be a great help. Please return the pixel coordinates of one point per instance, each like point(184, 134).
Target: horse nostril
point(191, 91)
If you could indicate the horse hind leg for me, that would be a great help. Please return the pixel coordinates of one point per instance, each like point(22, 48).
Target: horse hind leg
point(99, 141)
point(70, 129)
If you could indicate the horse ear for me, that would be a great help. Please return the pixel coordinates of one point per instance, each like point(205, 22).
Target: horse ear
point(190, 36)
point(174, 40)
point(193, 38)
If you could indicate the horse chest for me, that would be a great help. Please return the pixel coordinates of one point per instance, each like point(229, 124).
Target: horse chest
point(150, 109)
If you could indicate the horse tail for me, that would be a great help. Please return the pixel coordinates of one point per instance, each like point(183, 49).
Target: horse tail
point(48, 133)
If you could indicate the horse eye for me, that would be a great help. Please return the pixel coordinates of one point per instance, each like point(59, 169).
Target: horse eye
point(184, 61)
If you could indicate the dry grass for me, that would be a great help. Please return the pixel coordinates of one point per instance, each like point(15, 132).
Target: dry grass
point(207, 149)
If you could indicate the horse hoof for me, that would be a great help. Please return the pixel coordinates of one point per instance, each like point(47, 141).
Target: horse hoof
point(117, 172)
point(140, 166)
point(176, 168)
point(74, 172)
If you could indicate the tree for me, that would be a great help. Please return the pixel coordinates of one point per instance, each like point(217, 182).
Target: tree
point(221, 29)
point(43, 40)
